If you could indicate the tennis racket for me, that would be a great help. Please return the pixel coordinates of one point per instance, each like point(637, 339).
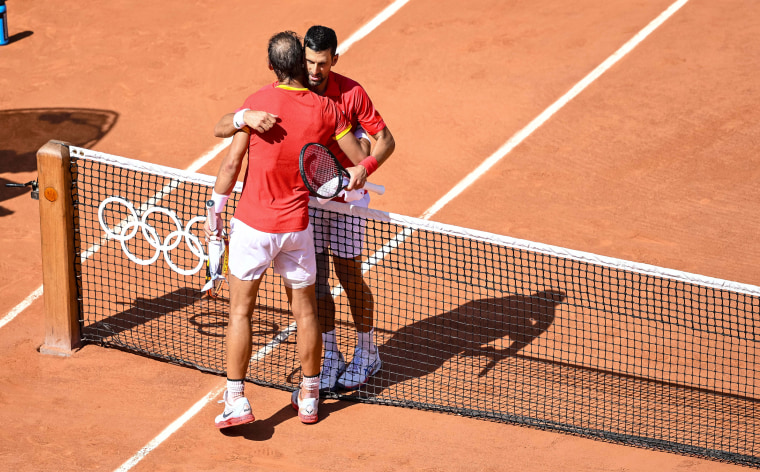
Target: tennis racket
point(216, 265)
point(323, 175)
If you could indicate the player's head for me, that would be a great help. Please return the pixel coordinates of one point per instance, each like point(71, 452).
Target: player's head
point(286, 56)
point(320, 45)
point(320, 38)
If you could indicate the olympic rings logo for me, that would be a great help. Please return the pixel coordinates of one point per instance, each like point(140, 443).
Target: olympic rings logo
point(127, 230)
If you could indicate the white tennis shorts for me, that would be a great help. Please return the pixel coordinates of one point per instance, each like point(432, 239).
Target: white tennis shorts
point(291, 254)
point(343, 234)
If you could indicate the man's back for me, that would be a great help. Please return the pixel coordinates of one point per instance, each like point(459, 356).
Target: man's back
point(275, 199)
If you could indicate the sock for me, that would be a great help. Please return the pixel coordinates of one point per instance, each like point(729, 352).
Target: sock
point(235, 389)
point(310, 387)
point(331, 346)
point(366, 341)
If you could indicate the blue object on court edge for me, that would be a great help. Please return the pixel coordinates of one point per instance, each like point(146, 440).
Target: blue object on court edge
point(3, 23)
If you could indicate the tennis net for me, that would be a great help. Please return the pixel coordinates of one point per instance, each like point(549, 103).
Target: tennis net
point(466, 322)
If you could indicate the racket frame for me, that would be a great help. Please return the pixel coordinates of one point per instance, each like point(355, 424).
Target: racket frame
point(343, 175)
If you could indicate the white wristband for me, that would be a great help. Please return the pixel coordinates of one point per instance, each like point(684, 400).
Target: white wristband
point(239, 119)
point(219, 201)
point(361, 134)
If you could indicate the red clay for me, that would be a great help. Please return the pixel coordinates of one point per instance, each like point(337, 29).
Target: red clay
point(653, 163)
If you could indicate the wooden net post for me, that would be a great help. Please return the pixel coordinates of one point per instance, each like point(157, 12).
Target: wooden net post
point(62, 333)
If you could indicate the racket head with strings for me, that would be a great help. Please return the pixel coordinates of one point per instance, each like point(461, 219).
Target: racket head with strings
point(321, 171)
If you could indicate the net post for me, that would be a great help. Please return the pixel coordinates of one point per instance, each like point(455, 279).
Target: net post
point(62, 332)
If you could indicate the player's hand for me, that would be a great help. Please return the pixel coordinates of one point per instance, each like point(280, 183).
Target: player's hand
point(358, 177)
point(213, 235)
point(259, 121)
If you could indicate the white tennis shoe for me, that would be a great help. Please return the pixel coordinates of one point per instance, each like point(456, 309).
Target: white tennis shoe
point(235, 413)
point(332, 368)
point(363, 366)
point(307, 408)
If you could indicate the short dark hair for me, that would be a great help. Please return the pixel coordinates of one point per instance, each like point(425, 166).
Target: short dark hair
point(286, 55)
point(319, 38)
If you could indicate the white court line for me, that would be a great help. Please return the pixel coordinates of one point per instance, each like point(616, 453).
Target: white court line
point(374, 23)
point(520, 136)
point(203, 160)
point(21, 306)
point(209, 156)
point(171, 429)
point(179, 422)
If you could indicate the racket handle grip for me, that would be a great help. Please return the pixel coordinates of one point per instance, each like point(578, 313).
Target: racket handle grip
point(375, 188)
point(211, 215)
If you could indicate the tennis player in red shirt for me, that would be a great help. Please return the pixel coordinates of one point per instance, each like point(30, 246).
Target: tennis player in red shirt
point(271, 221)
point(342, 235)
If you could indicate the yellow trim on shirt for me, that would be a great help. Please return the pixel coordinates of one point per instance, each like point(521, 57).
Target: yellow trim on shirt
point(343, 133)
point(288, 87)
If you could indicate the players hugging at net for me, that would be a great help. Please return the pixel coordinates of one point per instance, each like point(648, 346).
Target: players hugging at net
point(336, 235)
point(271, 220)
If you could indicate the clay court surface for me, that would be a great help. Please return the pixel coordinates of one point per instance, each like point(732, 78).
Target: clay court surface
point(655, 162)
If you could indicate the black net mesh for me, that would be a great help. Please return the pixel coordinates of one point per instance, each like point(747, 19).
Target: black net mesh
point(464, 322)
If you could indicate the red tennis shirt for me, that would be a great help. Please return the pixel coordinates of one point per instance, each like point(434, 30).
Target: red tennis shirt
point(274, 198)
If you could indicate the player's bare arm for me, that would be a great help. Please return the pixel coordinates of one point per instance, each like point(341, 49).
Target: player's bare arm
point(383, 149)
point(228, 173)
point(259, 121)
point(230, 167)
point(366, 145)
point(351, 147)
point(384, 145)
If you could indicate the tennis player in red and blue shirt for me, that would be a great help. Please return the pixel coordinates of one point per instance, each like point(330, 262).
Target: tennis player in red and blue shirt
point(344, 236)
